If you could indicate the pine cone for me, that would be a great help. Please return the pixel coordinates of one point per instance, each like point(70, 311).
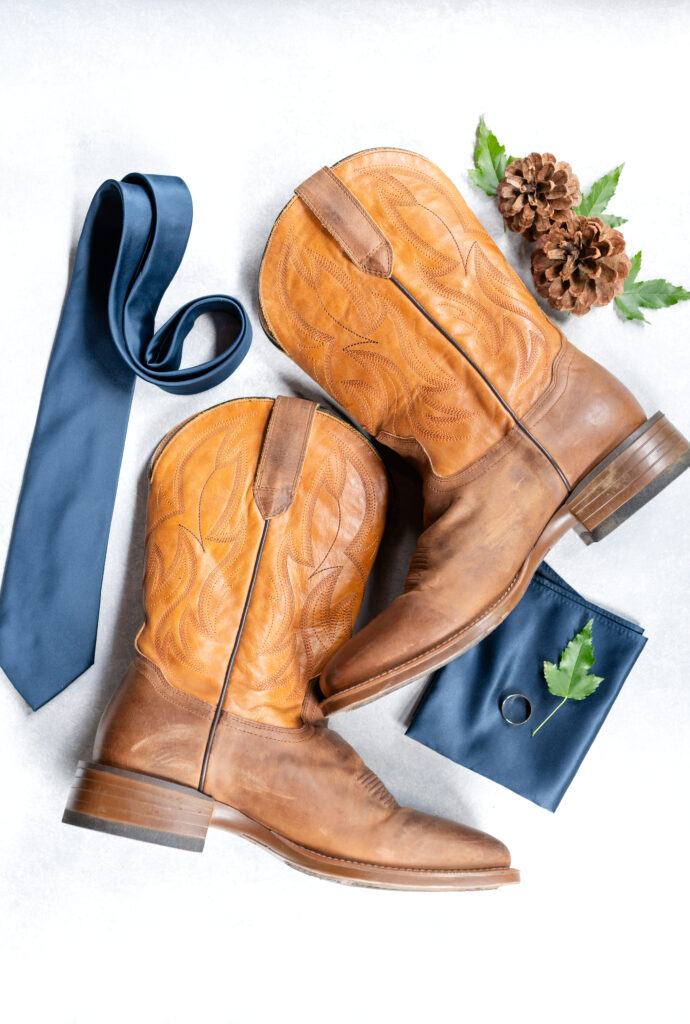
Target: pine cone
point(537, 193)
point(579, 264)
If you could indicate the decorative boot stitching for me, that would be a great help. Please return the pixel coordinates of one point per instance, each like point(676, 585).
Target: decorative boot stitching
point(233, 657)
point(494, 390)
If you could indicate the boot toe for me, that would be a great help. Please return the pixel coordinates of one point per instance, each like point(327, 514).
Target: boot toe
point(429, 842)
point(389, 643)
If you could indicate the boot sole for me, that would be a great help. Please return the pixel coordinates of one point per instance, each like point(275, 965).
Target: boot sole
point(630, 476)
point(153, 810)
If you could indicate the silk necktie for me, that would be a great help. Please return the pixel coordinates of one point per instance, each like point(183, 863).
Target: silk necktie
point(131, 246)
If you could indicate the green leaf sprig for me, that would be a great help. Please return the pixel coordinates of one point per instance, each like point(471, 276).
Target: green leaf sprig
point(572, 680)
point(597, 199)
point(654, 294)
point(490, 162)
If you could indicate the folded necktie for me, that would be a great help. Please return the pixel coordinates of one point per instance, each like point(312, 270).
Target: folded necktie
point(132, 243)
point(459, 714)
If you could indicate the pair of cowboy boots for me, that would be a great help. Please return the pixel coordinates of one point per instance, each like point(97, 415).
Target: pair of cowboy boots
point(264, 519)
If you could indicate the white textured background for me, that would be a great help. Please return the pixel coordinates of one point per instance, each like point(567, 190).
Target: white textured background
point(244, 100)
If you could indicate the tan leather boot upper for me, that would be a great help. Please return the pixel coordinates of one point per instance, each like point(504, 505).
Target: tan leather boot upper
point(263, 523)
point(381, 283)
point(372, 350)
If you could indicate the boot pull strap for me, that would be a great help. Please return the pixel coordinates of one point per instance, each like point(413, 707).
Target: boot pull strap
point(282, 455)
point(344, 217)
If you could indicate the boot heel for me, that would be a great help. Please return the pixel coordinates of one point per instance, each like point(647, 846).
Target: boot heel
point(138, 806)
point(646, 462)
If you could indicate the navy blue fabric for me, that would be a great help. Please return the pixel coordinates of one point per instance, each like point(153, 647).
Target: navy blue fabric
point(131, 246)
point(459, 714)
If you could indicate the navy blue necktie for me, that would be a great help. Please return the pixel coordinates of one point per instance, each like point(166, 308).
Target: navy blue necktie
point(132, 243)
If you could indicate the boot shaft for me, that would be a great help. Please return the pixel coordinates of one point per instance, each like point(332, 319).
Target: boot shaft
point(263, 522)
point(374, 350)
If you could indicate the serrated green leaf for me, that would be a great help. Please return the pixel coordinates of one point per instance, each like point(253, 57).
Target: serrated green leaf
point(635, 265)
point(654, 294)
point(612, 220)
point(658, 293)
point(628, 307)
point(490, 160)
point(598, 197)
point(571, 679)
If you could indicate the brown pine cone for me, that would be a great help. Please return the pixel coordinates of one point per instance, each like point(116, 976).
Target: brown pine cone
point(536, 193)
point(579, 264)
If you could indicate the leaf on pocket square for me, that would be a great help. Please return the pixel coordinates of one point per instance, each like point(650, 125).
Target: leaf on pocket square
point(572, 679)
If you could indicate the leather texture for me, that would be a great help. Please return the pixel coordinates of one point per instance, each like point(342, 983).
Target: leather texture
point(273, 757)
point(367, 346)
point(348, 222)
point(282, 455)
point(489, 492)
point(203, 531)
point(306, 783)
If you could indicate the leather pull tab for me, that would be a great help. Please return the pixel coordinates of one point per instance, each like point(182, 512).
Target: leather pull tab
point(282, 455)
point(344, 217)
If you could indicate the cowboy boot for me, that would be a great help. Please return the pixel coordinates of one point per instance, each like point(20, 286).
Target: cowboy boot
point(380, 282)
point(263, 522)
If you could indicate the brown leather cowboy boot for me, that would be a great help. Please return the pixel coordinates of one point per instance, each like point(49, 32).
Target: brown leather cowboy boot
point(263, 522)
point(380, 282)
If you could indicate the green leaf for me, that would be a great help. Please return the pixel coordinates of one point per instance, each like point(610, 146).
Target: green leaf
point(629, 308)
point(635, 265)
point(572, 679)
point(597, 199)
point(654, 294)
point(612, 220)
point(490, 160)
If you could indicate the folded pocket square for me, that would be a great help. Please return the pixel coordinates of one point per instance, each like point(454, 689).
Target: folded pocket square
point(459, 714)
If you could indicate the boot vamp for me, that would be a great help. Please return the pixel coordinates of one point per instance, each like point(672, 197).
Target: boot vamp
point(481, 530)
point(311, 787)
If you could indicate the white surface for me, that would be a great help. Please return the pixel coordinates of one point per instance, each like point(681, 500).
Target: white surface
point(244, 100)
